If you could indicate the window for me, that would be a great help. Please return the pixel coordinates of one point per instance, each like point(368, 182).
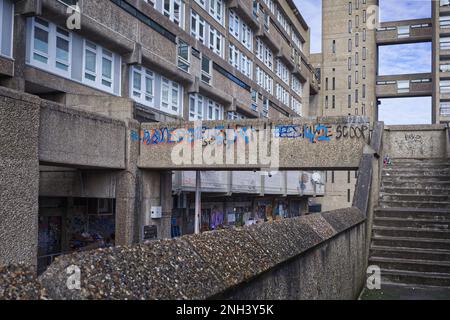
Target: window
point(216, 41)
point(356, 40)
point(333, 47)
point(202, 108)
point(349, 63)
point(171, 93)
point(282, 94)
point(240, 61)
point(183, 56)
point(142, 85)
point(206, 70)
point(198, 27)
point(364, 53)
point(173, 9)
point(282, 72)
point(216, 8)
point(297, 41)
point(349, 101)
point(283, 21)
point(240, 30)
point(51, 47)
point(349, 26)
point(350, 8)
point(97, 66)
point(326, 102)
point(264, 80)
point(334, 84)
point(349, 45)
point(6, 27)
point(264, 54)
point(296, 106)
point(297, 86)
point(349, 82)
point(333, 102)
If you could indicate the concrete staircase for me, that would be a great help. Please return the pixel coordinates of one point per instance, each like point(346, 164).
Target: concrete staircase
point(411, 230)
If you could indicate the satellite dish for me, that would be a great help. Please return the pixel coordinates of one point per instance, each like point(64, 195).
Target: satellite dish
point(316, 177)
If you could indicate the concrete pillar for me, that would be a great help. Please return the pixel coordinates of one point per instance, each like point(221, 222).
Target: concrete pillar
point(19, 177)
point(166, 203)
point(127, 199)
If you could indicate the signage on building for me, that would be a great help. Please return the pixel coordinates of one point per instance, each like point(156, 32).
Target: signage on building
point(150, 232)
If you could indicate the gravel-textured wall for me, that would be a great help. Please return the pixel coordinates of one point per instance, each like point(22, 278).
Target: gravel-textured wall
point(19, 176)
point(314, 257)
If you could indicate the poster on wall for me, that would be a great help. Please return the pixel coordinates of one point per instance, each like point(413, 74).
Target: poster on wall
point(150, 232)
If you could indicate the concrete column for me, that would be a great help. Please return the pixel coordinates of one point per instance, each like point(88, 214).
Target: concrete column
point(166, 203)
point(127, 200)
point(19, 177)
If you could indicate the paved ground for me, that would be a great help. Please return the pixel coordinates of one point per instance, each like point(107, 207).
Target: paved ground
point(402, 292)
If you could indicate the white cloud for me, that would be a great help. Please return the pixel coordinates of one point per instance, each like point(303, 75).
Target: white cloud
point(405, 59)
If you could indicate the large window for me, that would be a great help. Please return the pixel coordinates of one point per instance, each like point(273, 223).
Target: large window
point(174, 10)
point(51, 47)
point(240, 30)
point(282, 72)
point(58, 51)
point(171, 96)
point(183, 56)
point(296, 106)
point(264, 80)
point(282, 94)
point(143, 85)
point(240, 61)
point(6, 27)
point(206, 34)
point(98, 66)
point(216, 9)
point(297, 86)
point(202, 108)
point(264, 54)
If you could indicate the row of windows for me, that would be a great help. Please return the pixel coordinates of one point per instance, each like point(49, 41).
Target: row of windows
point(202, 108)
point(206, 34)
point(240, 61)
point(215, 8)
point(240, 30)
point(264, 80)
point(282, 94)
point(66, 54)
point(152, 90)
point(173, 9)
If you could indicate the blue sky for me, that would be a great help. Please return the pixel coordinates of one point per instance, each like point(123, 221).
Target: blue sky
point(402, 59)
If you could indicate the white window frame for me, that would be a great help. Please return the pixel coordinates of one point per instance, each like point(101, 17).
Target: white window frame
point(171, 13)
point(199, 22)
point(101, 53)
point(218, 15)
point(10, 54)
point(141, 95)
point(216, 40)
point(168, 105)
point(52, 36)
point(282, 72)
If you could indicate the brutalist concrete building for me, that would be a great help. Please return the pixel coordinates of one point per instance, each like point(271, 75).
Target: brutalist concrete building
point(115, 64)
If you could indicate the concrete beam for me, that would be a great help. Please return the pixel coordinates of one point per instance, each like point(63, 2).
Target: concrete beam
point(76, 138)
point(419, 85)
point(294, 144)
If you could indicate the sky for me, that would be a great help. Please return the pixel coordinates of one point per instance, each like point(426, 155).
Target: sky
point(414, 58)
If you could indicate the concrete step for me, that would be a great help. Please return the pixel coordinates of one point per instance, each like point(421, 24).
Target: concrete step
point(411, 232)
point(403, 161)
point(415, 197)
point(433, 224)
point(410, 253)
point(410, 242)
point(415, 278)
point(400, 189)
point(415, 178)
point(434, 214)
point(411, 265)
point(415, 184)
point(416, 171)
point(413, 204)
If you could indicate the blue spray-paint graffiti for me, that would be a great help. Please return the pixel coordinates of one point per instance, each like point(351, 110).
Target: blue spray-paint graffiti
point(314, 134)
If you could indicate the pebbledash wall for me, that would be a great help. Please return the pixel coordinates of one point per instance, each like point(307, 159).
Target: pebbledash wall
point(321, 256)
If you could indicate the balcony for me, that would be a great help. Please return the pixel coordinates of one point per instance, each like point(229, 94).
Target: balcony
point(402, 86)
point(401, 32)
point(445, 109)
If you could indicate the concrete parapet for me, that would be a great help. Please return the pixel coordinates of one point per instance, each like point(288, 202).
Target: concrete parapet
point(301, 254)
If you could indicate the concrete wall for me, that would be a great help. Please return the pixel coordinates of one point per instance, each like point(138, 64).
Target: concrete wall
point(335, 142)
point(78, 138)
point(312, 257)
point(19, 176)
point(417, 142)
